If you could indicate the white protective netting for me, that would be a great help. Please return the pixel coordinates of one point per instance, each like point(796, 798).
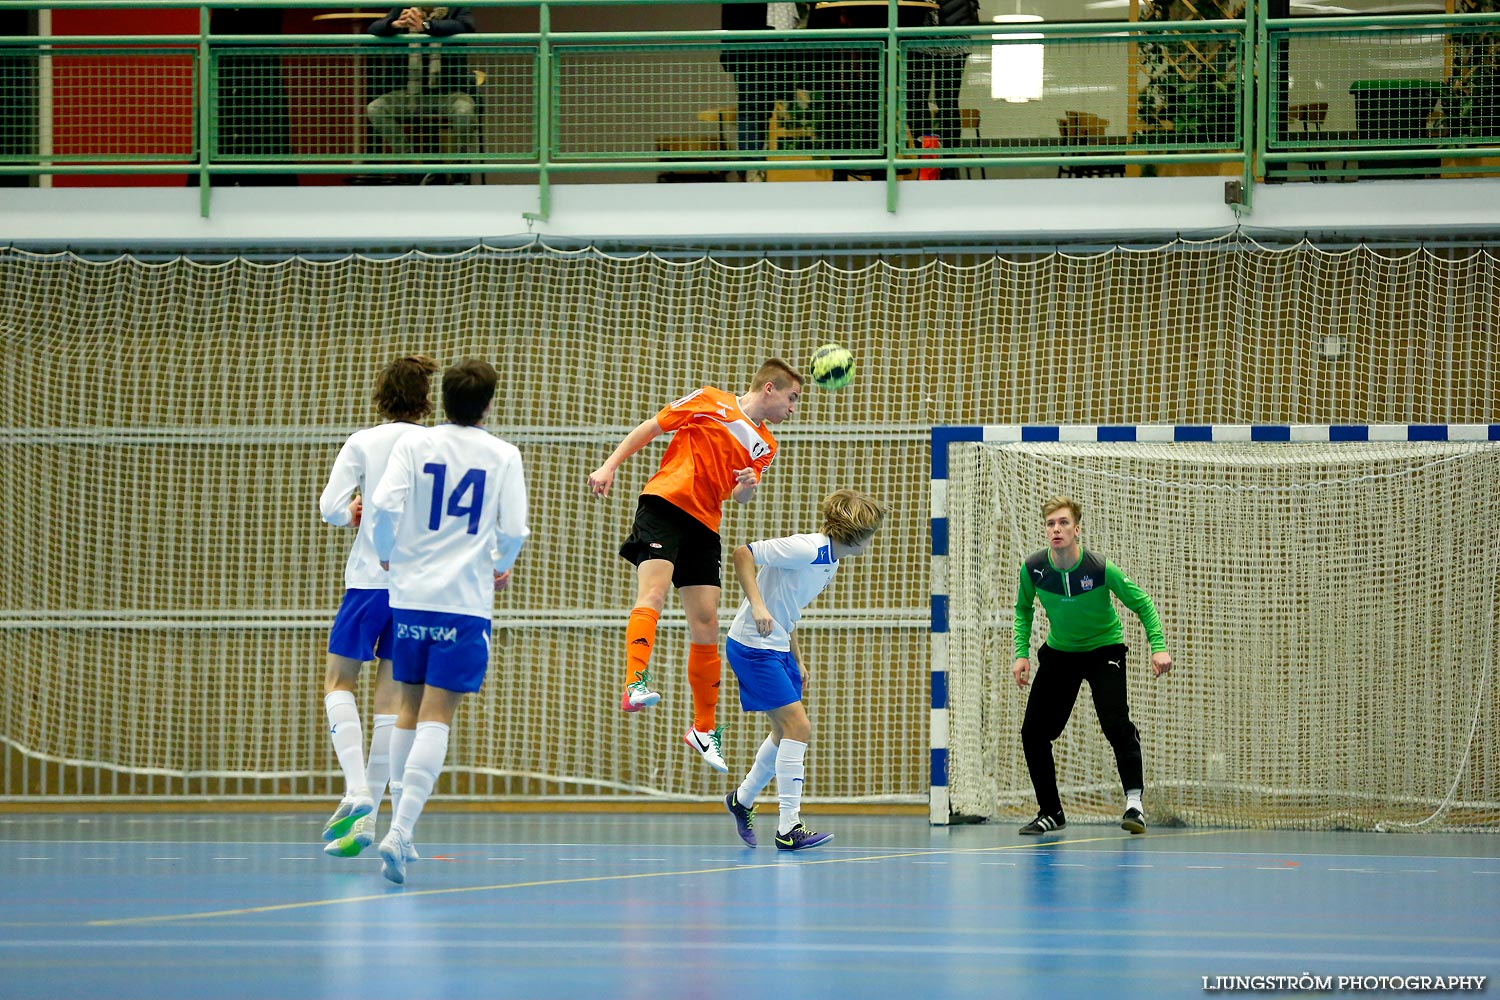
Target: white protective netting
point(1331, 609)
point(166, 427)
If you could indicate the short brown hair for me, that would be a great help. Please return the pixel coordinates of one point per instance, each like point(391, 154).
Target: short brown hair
point(403, 388)
point(778, 373)
point(468, 388)
point(1057, 503)
point(849, 516)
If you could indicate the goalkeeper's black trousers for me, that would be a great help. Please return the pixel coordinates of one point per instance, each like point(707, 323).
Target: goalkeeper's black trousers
point(1054, 689)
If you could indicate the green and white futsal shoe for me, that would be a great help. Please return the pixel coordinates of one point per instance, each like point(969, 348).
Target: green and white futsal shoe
point(351, 808)
point(360, 836)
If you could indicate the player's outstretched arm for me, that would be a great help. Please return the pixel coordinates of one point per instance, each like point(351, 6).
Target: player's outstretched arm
point(603, 477)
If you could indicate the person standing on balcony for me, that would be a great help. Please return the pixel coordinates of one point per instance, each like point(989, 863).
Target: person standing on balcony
point(935, 74)
point(762, 75)
point(425, 83)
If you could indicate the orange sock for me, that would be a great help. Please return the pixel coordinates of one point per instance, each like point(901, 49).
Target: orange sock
point(640, 637)
point(704, 673)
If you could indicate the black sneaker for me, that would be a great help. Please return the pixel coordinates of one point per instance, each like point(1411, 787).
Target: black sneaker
point(1134, 821)
point(1045, 824)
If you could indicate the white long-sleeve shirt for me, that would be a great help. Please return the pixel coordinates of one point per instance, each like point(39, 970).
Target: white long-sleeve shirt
point(359, 466)
point(449, 513)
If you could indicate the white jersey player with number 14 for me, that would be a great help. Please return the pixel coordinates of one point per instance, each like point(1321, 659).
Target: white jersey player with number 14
point(449, 520)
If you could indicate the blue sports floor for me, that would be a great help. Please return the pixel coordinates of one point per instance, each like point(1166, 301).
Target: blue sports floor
point(672, 906)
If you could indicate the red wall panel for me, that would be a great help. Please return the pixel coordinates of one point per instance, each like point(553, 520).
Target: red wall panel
point(126, 106)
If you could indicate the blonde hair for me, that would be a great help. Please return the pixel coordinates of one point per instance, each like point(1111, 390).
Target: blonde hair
point(778, 373)
point(1053, 504)
point(849, 516)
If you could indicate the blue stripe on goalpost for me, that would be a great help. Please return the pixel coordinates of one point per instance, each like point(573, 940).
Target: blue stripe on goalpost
point(943, 436)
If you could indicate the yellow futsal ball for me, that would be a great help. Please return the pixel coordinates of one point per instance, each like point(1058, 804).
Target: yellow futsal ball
point(832, 367)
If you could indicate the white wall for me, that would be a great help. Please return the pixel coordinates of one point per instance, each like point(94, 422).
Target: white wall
point(984, 211)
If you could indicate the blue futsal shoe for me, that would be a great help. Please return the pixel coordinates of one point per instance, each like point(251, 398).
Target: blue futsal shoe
point(800, 838)
point(744, 819)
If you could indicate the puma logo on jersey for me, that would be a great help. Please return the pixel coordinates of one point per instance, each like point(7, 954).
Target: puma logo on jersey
point(639, 642)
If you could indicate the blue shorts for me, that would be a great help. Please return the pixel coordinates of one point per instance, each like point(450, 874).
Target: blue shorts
point(451, 652)
point(362, 628)
point(769, 678)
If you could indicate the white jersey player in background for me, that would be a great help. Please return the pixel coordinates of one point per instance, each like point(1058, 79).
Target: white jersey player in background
point(449, 518)
point(362, 628)
point(762, 649)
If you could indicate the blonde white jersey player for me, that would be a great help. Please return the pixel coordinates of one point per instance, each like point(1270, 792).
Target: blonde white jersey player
point(449, 520)
point(362, 628)
point(762, 650)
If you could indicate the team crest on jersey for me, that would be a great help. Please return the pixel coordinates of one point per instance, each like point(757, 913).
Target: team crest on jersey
point(1086, 583)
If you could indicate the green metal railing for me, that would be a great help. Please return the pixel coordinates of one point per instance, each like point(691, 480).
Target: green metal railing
point(1273, 99)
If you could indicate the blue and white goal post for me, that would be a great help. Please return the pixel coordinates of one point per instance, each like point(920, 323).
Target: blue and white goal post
point(944, 437)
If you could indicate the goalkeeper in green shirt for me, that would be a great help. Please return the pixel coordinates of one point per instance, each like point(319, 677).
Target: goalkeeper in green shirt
point(1084, 643)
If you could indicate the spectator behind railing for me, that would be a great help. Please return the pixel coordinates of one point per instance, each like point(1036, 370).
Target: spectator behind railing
point(424, 83)
point(761, 78)
point(935, 76)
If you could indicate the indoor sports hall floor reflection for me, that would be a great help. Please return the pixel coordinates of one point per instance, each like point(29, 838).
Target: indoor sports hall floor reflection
point(672, 906)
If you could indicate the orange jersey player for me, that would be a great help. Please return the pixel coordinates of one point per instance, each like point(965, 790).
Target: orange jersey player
point(720, 447)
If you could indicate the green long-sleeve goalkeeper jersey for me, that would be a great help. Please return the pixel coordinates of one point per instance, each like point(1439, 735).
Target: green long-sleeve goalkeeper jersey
point(1079, 610)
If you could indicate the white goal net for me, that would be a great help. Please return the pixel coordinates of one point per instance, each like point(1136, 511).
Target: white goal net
point(1331, 608)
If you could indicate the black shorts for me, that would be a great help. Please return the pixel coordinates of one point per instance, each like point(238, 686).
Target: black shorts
point(662, 530)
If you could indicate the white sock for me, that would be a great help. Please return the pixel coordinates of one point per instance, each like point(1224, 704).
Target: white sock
point(378, 767)
point(401, 741)
point(348, 740)
point(760, 774)
point(789, 756)
point(423, 766)
point(1133, 799)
